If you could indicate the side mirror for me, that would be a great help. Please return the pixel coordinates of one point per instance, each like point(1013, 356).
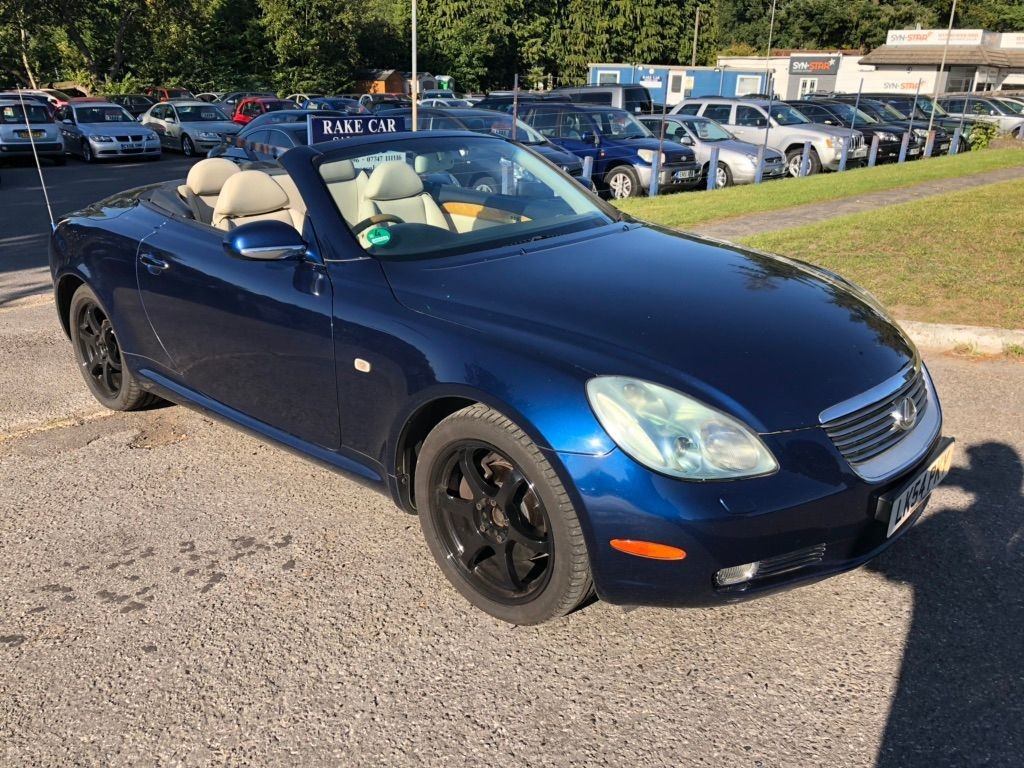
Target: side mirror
point(590, 138)
point(265, 241)
point(684, 138)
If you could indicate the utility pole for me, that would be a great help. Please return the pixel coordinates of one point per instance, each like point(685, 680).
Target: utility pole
point(942, 66)
point(696, 29)
point(415, 76)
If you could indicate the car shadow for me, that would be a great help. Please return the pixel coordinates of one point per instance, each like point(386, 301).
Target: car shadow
point(960, 696)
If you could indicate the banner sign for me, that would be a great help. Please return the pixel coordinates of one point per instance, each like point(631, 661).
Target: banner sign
point(934, 37)
point(814, 65)
point(334, 128)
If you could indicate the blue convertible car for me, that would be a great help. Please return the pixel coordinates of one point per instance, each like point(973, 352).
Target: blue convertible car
point(571, 400)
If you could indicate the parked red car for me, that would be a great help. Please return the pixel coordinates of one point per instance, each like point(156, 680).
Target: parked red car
point(254, 106)
point(161, 93)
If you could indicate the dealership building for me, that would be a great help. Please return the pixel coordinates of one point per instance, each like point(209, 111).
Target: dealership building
point(976, 59)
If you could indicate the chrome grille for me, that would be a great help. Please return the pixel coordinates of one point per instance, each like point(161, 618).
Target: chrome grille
point(871, 430)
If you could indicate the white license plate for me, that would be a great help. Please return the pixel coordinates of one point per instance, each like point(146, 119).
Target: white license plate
point(860, 151)
point(943, 146)
point(131, 146)
point(914, 151)
point(684, 174)
point(917, 490)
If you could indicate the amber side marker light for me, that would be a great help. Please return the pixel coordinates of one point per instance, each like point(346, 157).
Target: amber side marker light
point(648, 549)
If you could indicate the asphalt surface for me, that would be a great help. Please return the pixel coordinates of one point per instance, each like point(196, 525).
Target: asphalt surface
point(175, 592)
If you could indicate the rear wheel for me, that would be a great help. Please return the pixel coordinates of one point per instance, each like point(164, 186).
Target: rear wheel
point(622, 182)
point(99, 355)
point(498, 520)
point(188, 149)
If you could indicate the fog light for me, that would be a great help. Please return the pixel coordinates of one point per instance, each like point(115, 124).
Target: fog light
point(736, 575)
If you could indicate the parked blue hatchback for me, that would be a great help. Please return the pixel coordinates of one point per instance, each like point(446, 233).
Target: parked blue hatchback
point(570, 400)
point(623, 150)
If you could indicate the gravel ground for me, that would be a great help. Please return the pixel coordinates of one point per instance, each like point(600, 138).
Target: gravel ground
point(173, 591)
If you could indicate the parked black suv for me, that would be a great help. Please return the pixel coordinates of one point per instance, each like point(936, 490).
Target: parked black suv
point(890, 135)
point(632, 98)
point(887, 114)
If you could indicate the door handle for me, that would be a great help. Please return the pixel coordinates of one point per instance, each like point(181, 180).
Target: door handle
point(153, 264)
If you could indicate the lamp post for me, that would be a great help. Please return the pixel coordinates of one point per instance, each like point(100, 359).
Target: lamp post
point(942, 66)
point(770, 82)
point(415, 77)
point(696, 29)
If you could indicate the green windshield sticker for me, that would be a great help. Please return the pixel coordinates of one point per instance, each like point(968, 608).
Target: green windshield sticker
point(380, 236)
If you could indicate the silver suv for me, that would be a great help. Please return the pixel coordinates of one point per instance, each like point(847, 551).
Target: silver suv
point(786, 128)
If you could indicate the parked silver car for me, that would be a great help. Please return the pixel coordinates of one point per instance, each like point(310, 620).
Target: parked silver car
point(737, 160)
point(190, 127)
point(102, 130)
point(15, 137)
point(990, 110)
point(785, 128)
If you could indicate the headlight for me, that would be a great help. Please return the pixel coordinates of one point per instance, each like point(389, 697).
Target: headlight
point(921, 133)
point(675, 434)
point(886, 136)
point(648, 155)
point(208, 135)
point(753, 158)
point(101, 139)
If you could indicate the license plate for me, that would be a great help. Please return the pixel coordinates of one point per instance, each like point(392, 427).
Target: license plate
point(35, 134)
point(944, 146)
point(684, 174)
point(902, 503)
point(131, 146)
point(914, 151)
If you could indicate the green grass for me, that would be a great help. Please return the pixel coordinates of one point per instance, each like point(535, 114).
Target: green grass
point(687, 209)
point(953, 258)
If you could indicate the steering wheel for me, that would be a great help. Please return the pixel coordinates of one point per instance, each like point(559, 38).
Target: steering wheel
point(377, 218)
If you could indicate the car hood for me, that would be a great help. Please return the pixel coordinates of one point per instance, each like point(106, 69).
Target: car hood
point(215, 126)
point(770, 340)
point(743, 147)
point(819, 128)
point(555, 154)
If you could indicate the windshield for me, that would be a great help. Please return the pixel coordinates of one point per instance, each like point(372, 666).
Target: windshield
point(1015, 107)
point(203, 114)
point(435, 196)
point(890, 112)
point(927, 105)
point(848, 113)
point(783, 114)
point(707, 130)
point(500, 124)
point(619, 124)
point(103, 115)
point(11, 114)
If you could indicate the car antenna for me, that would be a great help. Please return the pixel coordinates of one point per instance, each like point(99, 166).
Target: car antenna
point(35, 154)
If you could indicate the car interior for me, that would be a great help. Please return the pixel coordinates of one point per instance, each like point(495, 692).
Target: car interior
point(431, 196)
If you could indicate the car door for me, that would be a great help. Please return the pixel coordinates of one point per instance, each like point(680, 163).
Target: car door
point(69, 130)
point(253, 335)
point(576, 133)
point(157, 123)
point(749, 123)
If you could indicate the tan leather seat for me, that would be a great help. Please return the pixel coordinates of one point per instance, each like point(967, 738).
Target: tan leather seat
point(203, 185)
point(251, 196)
point(395, 188)
point(434, 162)
point(346, 185)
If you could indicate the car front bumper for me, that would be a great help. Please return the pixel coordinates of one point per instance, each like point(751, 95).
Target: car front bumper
point(821, 516)
point(744, 173)
point(109, 149)
point(672, 176)
point(20, 148)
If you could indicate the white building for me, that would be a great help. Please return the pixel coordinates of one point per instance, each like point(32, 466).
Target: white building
point(975, 60)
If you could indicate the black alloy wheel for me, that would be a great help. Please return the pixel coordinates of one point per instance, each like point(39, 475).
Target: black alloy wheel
point(498, 520)
point(98, 349)
point(492, 523)
point(99, 355)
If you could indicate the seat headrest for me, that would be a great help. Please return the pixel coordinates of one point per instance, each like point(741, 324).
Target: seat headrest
point(341, 170)
point(393, 180)
point(207, 177)
point(250, 193)
point(434, 162)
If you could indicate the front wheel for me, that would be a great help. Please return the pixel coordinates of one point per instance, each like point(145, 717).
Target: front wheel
point(98, 352)
point(795, 156)
point(188, 149)
point(622, 182)
point(86, 151)
point(723, 176)
point(498, 520)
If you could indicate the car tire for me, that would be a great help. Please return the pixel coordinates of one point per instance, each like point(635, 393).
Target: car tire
point(795, 156)
point(963, 146)
point(515, 551)
point(99, 355)
point(622, 182)
point(188, 148)
point(87, 156)
point(724, 176)
point(486, 184)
